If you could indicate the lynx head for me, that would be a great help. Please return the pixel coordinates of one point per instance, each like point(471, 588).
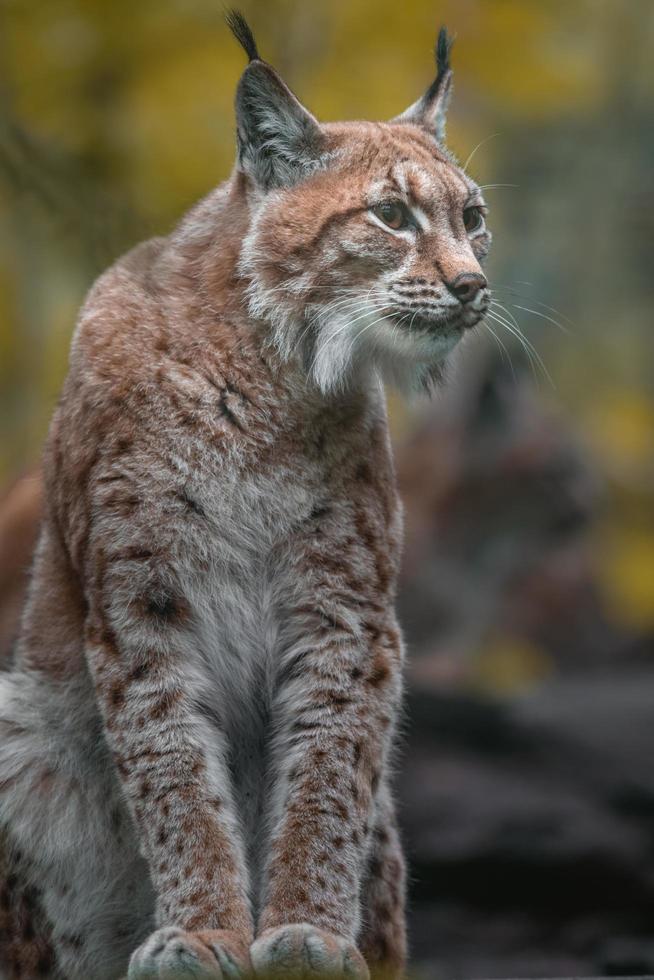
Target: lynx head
point(365, 239)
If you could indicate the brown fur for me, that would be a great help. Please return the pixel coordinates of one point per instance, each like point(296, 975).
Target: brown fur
point(209, 668)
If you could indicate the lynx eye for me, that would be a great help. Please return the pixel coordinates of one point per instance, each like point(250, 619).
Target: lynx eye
point(473, 219)
point(393, 214)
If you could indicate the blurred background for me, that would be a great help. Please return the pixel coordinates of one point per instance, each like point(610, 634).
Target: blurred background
point(525, 779)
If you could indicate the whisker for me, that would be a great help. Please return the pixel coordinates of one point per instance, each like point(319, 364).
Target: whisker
point(330, 309)
point(339, 304)
point(508, 313)
point(314, 318)
point(360, 334)
point(398, 323)
point(345, 326)
point(343, 299)
point(543, 316)
point(502, 347)
point(518, 328)
point(369, 325)
point(312, 322)
point(364, 311)
point(527, 345)
point(517, 293)
point(518, 282)
point(478, 146)
point(507, 327)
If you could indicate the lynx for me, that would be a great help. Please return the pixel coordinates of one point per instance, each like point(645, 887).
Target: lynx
point(196, 730)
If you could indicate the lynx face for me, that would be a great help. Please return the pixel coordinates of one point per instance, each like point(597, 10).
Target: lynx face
point(366, 239)
point(377, 258)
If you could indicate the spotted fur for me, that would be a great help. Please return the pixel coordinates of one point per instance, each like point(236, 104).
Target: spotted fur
point(196, 730)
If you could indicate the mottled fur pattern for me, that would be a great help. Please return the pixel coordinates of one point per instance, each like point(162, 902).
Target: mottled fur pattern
point(196, 731)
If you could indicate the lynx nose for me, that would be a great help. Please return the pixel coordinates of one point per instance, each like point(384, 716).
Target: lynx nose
point(467, 285)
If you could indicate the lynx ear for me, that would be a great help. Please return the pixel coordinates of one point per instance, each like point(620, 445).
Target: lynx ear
point(279, 141)
point(431, 110)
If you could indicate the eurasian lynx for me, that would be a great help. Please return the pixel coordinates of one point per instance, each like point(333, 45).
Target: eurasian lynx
point(195, 731)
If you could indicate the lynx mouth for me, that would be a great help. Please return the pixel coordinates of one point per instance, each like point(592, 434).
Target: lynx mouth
point(420, 323)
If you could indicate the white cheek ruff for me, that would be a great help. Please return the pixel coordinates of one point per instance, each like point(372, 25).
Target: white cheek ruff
point(369, 337)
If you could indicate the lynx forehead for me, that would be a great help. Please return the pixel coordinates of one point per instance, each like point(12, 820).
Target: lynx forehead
point(196, 730)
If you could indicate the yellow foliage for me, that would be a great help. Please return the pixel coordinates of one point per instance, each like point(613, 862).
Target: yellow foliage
point(621, 430)
point(508, 665)
point(177, 125)
point(626, 575)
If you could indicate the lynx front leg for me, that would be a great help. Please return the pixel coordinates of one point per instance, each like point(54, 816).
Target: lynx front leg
point(173, 954)
point(382, 938)
point(173, 770)
point(338, 709)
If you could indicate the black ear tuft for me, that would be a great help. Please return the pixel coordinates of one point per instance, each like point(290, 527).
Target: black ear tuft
point(430, 111)
point(442, 55)
point(243, 33)
point(442, 52)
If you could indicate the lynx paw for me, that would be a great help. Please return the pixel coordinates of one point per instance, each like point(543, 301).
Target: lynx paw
point(173, 954)
point(301, 952)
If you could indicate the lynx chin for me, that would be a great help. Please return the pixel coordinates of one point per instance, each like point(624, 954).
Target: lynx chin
point(196, 727)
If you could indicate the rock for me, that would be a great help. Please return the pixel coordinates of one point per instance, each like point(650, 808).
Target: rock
point(529, 826)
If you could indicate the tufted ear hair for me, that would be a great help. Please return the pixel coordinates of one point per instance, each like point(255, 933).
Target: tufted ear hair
point(279, 141)
point(430, 111)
